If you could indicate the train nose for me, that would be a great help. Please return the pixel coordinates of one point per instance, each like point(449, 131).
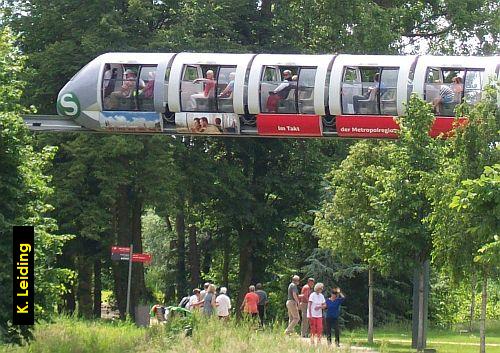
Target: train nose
point(68, 103)
point(78, 99)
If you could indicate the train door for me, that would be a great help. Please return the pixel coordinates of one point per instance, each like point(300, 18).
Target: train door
point(271, 79)
point(191, 84)
point(305, 91)
point(366, 92)
point(351, 86)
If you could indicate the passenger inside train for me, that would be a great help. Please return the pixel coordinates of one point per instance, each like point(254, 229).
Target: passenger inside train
point(369, 90)
point(130, 84)
point(281, 92)
point(208, 91)
point(444, 89)
point(449, 95)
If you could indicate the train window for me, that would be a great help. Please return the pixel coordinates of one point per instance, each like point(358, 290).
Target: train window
point(270, 74)
point(369, 90)
point(128, 87)
point(444, 89)
point(208, 88)
point(473, 86)
point(287, 89)
point(225, 88)
point(350, 75)
point(306, 80)
point(388, 90)
point(145, 98)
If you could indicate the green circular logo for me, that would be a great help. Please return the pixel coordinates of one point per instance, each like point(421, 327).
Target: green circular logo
point(68, 105)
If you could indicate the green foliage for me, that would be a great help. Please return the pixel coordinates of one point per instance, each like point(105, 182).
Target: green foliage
point(24, 190)
point(465, 217)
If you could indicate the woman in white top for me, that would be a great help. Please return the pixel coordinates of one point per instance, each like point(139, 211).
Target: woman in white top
point(223, 304)
point(315, 312)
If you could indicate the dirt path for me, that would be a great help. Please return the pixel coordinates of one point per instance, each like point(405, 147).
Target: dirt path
point(441, 342)
point(343, 347)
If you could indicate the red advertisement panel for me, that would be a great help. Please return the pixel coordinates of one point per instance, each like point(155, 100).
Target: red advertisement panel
point(445, 126)
point(120, 250)
point(141, 257)
point(289, 125)
point(375, 126)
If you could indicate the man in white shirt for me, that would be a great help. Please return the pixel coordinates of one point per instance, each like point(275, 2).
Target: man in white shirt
point(223, 304)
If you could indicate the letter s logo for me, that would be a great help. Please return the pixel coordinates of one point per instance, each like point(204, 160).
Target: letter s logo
point(68, 105)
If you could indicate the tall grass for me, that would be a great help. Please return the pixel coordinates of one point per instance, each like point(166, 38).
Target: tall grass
point(67, 335)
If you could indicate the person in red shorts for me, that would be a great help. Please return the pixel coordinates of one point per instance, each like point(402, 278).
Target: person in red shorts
point(249, 305)
point(315, 312)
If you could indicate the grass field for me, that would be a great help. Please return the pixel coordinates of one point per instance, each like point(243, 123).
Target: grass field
point(397, 339)
point(67, 335)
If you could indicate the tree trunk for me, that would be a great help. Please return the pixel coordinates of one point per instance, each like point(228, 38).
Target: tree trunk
point(169, 224)
point(138, 292)
point(226, 260)
point(170, 282)
point(97, 288)
point(420, 335)
point(482, 327)
point(246, 266)
point(69, 300)
point(194, 257)
point(181, 254)
point(207, 250)
point(370, 305)
point(83, 290)
point(123, 238)
point(472, 300)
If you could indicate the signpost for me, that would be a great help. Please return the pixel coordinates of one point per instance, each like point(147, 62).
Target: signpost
point(121, 253)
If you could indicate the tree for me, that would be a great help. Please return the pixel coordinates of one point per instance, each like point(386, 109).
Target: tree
point(462, 221)
point(24, 189)
point(345, 222)
point(479, 202)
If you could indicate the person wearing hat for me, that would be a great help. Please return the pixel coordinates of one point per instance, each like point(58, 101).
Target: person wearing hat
point(195, 301)
point(281, 92)
point(129, 86)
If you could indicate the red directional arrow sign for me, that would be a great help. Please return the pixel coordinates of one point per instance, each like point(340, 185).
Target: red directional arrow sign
point(141, 258)
point(120, 250)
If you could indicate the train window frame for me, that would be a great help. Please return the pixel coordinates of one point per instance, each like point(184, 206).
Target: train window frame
point(204, 68)
point(301, 108)
point(446, 75)
point(279, 69)
point(361, 79)
point(133, 98)
point(467, 90)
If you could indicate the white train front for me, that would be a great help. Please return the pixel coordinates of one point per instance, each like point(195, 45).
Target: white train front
point(269, 94)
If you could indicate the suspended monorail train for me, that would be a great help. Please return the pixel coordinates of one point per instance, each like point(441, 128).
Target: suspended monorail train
point(269, 94)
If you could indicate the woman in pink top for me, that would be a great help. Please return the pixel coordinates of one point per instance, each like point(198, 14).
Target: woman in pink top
point(208, 90)
point(249, 305)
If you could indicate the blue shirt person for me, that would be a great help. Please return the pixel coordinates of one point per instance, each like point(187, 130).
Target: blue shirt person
point(332, 315)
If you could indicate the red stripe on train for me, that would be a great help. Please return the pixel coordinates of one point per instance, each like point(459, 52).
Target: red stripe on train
point(377, 126)
point(289, 125)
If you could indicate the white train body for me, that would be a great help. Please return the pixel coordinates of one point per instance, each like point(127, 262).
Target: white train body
point(268, 94)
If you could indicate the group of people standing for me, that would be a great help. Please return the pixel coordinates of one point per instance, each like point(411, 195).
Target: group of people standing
point(308, 305)
point(209, 302)
point(311, 303)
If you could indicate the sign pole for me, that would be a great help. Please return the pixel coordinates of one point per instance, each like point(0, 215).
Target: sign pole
point(129, 278)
